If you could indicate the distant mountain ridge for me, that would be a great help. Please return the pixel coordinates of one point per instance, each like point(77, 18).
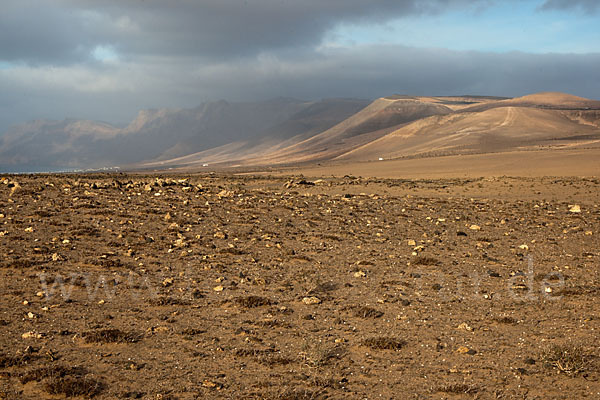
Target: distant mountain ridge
point(164, 133)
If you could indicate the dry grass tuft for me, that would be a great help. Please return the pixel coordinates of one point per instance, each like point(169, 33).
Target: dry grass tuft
point(110, 336)
point(192, 331)
point(61, 380)
point(568, 359)
point(7, 361)
point(425, 260)
point(72, 386)
point(253, 352)
point(458, 388)
point(319, 355)
point(40, 374)
point(298, 394)
point(19, 263)
point(253, 301)
point(367, 312)
point(168, 301)
point(505, 320)
point(275, 359)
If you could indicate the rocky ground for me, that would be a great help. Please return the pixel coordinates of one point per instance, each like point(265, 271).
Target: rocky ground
point(206, 286)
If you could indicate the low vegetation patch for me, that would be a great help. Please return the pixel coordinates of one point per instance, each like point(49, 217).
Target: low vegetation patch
point(568, 359)
point(7, 361)
point(425, 260)
point(505, 320)
point(253, 301)
point(367, 312)
point(19, 263)
point(458, 388)
point(72, 386)
point(167, 301)
point(39, 374)
point(193, 331)
point(110, 336)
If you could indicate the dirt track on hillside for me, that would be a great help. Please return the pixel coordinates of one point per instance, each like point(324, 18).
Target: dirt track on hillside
point(184, 287)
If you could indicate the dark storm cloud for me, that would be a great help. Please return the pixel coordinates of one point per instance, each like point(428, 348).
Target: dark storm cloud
point(591, 6)
point(373, 71)
point(63, 31)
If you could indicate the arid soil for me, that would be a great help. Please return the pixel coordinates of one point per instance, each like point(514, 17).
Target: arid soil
point(215, 286)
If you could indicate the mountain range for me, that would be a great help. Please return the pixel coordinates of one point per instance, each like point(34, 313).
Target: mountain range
point(287, 131)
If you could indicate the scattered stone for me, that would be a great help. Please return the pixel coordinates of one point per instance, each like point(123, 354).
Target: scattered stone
point(411, 242)
point(218, 288)
point(360, 274)
point(464, 327)
point(32, 335)
point(575, 208)
point(209, 384)
point(311, 300)
point(475, 228)
point(466, 350)
point(168, 282)
point(225, 193)
point(220, 235)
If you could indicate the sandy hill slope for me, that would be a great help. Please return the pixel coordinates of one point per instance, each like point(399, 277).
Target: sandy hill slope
point(374, 121)
point(546, 119)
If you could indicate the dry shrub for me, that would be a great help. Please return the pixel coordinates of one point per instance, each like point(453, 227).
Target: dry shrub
point(505, 320)
point(7, 361)
point(425, 260)
point(40, 374)
point(367, 312)
point(569, 359)
point(298, 394)
point(72, 386)
point(458, 388)
point(167, 301)
point(192, 331)
point(253, 301)
point(110, 336)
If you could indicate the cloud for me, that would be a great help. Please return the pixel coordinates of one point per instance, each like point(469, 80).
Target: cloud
point(68, 31)
point(589, 6)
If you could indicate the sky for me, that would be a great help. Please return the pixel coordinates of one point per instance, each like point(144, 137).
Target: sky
point(106, 59)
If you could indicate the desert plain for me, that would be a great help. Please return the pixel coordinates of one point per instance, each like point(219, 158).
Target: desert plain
point(301, 284)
